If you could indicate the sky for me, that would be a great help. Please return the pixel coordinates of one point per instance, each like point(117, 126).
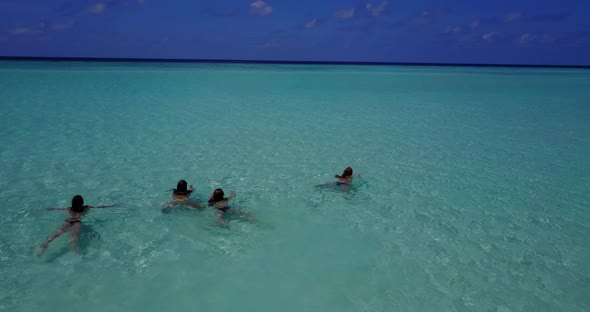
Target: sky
point(540, 32)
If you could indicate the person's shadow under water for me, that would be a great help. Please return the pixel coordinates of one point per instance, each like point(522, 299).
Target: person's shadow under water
point(87, 236)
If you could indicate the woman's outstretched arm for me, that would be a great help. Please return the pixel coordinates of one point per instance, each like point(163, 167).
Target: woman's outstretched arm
point(68, 208)
point(108, 206)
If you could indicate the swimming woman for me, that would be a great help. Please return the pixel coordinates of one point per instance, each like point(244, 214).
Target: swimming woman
point(344, 180)
point(181, 196)
point(73, 223)
point(221, 205)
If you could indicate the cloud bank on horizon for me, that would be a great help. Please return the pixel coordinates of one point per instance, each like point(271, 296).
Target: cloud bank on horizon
point(494, 32)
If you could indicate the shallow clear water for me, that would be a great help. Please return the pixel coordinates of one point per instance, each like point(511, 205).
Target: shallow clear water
point(474, 196)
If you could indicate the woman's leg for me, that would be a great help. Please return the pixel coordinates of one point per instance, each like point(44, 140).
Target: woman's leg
point(75, 234)
point(53, 236)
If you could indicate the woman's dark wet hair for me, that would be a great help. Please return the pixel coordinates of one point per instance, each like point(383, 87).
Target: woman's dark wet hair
point(181, 188)
point(78, 203)
point(347, 172)
point(217, 195)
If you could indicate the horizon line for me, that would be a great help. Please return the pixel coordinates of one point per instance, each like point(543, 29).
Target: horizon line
point(284, 62)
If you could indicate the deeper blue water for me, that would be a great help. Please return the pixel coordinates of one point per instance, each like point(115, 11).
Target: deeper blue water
point(474, 195)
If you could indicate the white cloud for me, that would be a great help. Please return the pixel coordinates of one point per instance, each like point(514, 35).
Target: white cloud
point(545, 38)
point(97, 8)
point(475, 24)
point(453, 30)
point(21, 31)
point(26, 31)
point(260, 7)
point(425, 18)
point(377, 10)
point(271, 44)
point(512, 17)
point(489, 36)
point(536, 38)
point(311, 24)
point(525, 39)
point(344, 13)
point(63, 26)
point(41, 28)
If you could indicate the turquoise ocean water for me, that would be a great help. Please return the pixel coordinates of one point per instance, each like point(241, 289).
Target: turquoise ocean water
point(474, 196)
